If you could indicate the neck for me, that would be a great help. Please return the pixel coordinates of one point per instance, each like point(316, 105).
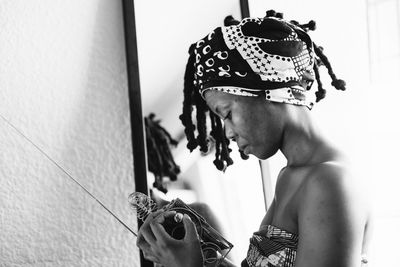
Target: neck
point(303, 144)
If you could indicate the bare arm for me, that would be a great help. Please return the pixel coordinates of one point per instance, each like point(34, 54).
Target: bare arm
point(331, 221)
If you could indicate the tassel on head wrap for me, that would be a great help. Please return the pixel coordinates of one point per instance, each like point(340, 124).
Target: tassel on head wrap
point(266, 56)
point(160, 160)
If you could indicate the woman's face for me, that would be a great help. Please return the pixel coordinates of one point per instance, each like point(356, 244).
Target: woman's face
point(252, 122)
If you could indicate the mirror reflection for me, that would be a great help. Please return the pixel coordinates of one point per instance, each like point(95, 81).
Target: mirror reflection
point(163, 42)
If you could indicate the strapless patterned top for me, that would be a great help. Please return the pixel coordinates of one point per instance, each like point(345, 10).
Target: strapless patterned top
point(274, 247)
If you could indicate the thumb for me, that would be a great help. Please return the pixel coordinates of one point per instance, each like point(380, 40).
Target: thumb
point(190, 228)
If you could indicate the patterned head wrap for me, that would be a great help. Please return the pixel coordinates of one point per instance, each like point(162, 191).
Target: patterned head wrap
point(268, 57)
point(257, 56)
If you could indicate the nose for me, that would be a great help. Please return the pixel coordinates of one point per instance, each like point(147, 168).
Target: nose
point(229, 133)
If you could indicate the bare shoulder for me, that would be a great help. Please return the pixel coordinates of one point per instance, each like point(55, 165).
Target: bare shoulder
point(333, 186)
point(332, 217)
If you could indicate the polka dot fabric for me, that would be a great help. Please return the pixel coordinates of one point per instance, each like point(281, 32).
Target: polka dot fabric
point(267, 56)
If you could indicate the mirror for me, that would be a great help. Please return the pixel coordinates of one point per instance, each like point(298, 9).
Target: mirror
point(164, 35)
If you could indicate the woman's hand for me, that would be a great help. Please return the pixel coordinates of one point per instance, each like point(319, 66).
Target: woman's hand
point(158, 246)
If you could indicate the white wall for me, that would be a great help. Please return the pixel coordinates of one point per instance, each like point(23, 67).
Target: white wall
point(165, 30)
point(63, 83)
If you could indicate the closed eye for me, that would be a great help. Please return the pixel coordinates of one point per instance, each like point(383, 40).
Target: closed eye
point(228, 116)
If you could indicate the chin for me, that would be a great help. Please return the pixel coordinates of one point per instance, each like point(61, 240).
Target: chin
point(262, 157)
point(257, 155)
point(265, 154)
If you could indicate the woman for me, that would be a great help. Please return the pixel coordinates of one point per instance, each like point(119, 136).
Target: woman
point(256, 77)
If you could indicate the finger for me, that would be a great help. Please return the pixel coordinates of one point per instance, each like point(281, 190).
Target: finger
point(147, 252)
point(149, 237)
point(190, 228)
point(158, 225)
point(141, 243)
point(151, 217)
point(159, 231)
point(144, 232)
point(163, 216)
point(150, 257)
